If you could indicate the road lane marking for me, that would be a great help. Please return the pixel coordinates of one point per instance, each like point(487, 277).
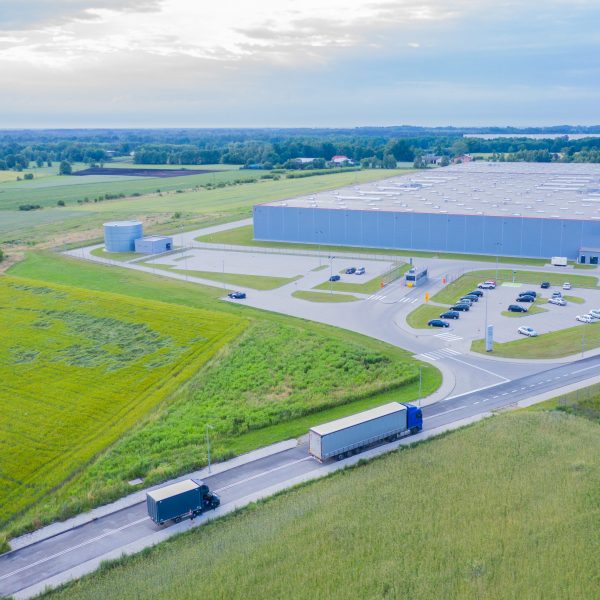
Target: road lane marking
point(480, 368)
point(586, 369)
point(446, 412)
point(476, 402)
point(67, 550)
point(289, 464)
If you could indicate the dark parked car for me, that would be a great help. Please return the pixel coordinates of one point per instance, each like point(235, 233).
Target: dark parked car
point(450, 314)
point(528, 293)
point(237, 295)
point(464, 301)
point(438, 323)
point(517, 308)
point(545, 285)
point(477, 293)
point(334, 278)
point(460, 307)
point(472, 297)
point(525, 299)
point(350, 270)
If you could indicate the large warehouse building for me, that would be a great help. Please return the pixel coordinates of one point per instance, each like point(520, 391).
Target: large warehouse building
point(535, 210)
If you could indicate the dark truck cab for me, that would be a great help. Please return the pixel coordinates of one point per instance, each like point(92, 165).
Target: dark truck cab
point(188, 498)
point(414, 418)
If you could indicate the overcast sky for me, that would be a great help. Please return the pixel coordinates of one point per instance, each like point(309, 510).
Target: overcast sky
point(271, 63)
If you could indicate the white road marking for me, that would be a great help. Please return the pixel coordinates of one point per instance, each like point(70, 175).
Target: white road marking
point(448, 336)
point(66, 550)
point(110, 532)
point(289, 464)
point(586, 369)
point(480, 368)
point(476, 402)
point(446, 412)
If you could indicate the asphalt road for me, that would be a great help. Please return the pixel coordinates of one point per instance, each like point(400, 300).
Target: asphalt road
point(37, 562)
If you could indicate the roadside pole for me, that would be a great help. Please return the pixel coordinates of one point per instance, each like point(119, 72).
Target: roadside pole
point(420, 384)
point(208, 445)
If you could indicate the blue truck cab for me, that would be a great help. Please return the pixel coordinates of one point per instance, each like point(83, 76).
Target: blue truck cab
point(414, 418)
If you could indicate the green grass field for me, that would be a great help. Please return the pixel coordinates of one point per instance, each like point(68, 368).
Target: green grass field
point(504, 509)
point(574, 299)
point(324, 297)
point(419, 317)
point(555, 344)
point(79, 369)
point(469, 281)
point(256, 282)
point(244, 236)
point(282, 377)
point(533, 310)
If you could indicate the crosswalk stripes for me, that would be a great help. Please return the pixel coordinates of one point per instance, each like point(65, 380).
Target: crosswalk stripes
point(376, 297)
point(405, 299)
point(434, 355)
point(449, 337)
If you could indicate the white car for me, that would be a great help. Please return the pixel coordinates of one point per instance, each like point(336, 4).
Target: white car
point(592, 316)
point(566, 285)
point(595, 313)
point(584, 318)
point(529, 331)
point(360, 271)
point(486, 285)
point(558, 302)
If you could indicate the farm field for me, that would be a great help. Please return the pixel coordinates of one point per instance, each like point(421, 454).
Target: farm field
point(506, 508)
point(244, 236)
point(268, 386)
point(72, 188)
point(79, 369)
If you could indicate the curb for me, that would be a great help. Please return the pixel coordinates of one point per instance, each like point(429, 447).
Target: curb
point(55, 529)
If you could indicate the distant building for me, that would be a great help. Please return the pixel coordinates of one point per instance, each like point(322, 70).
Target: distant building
point(304, 161)
point(340, 159)
point(432, 159)
point(463, 158)
point(154, 244)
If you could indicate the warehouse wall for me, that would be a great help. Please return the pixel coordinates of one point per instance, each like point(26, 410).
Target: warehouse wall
point(477, 234)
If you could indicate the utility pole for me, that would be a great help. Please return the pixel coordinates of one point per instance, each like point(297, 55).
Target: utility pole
point(208, 445)
point(330, 273)
point(420, 384)
point(583, 340)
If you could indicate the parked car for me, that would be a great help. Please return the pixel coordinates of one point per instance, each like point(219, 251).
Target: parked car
point(557, 301)
point(545, 285)
point(490, 282)
point(438, 323)
point(583, 318)
point(566, 285)
point(450, 314)
point(528, 293)
point(556, 294)
point(237, 295)
point(529, 331)
point(595, 313)
point(334, 278)
point(477, 293)
point(350, 270)
point(525, 299)
point(360, 271)
point(517, 308)
point(460, 307)
point(472, 297)
point(486, 285)
point(592, 316)
point(465, 301)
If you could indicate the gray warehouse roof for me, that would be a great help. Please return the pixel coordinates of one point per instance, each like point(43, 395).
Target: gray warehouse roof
point(538, 190)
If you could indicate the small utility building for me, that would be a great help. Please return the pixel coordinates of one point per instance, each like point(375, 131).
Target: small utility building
point(153, 244)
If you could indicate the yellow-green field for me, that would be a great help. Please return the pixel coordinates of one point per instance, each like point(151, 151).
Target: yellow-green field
point(79, 368)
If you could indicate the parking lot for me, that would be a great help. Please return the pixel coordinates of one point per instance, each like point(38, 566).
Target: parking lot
point(312, 269)
point(471, 324)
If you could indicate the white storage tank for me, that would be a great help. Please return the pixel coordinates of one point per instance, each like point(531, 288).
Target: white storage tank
point(120, 236)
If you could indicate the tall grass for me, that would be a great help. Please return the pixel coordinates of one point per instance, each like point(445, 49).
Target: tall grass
point(505, 509)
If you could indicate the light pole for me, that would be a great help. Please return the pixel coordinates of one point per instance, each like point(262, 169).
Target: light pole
point(583, 340)
point(208, 444)
point(420, 384)
point(319, 233)
point(223, 273)
point(330, 273)
point(497, 259)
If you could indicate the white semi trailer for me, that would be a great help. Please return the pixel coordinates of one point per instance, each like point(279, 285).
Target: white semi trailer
point(349, 435)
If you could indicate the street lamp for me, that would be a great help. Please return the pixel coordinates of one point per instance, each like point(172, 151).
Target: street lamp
point(208, 444)
point(319, 234)
point(420, 384)
point(330, 273)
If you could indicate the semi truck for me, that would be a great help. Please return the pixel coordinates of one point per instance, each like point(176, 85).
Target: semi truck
point(349, 435)
point(188, 498)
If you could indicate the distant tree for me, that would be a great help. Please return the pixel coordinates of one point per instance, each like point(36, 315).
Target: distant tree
point(60, 203)
point(3, 165)
point(419, 163)
point(389, 161)
point(65, 168)
point(28, 176)
point(445, 161)
point(49, 163)
point(39, 162)
point(401, 150)
point(459, 147)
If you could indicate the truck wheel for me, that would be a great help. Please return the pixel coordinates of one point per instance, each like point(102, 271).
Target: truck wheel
point(177, 519)
point(161, 523)
point(339, 457)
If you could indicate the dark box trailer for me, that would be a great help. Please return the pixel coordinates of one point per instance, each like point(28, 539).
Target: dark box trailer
point(346, 436)
point(188, 498)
